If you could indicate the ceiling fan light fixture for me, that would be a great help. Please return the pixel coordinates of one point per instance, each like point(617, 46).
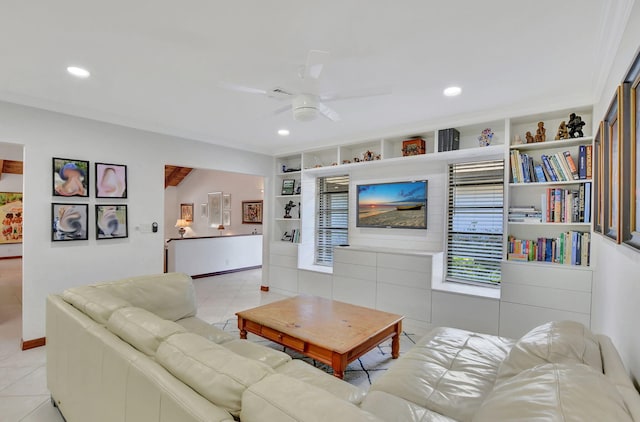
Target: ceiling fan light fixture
point(452, 91)
point(305, 114)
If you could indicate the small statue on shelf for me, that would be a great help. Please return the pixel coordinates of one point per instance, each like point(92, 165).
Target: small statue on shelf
point(287, 209)
point(367, 156)
point(529, 137)
point(575, 126)
point(563, 131)
point(541, 133)
point(346, 161)
point(517, 140)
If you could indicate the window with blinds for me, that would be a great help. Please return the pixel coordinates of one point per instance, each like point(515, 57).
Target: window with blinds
point(475, 221)
point(332, 217)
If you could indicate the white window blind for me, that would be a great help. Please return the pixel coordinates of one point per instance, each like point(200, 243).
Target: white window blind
point(332, 217)
point(475, 221)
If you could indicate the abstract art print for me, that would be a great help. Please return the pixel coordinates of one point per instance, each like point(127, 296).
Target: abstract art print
point(251, 212)
point(111, 221)
point(11, 217)
point(70, 177)
point(69, 222)
point(111, 180)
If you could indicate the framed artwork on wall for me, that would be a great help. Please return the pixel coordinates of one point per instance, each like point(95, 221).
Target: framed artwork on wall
point(612, 127)
point(69, 222)
point(631, 159)
point(226, 218)
point(186, 212)
point(597, 163)
point(11, 217)
point(252, 212)
point(215, 209)
point(226, 201)
point(111, 221)
point(70, 177)
point(111, 180)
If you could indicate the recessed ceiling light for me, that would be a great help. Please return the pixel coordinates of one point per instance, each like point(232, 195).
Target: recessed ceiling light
point(452, 91)
point(283, 132)
point(78, 72)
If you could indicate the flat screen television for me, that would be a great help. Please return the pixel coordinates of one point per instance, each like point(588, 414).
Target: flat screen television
point(393, 205)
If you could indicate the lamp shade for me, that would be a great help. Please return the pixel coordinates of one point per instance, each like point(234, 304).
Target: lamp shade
point(220, 227)
point(182, 223)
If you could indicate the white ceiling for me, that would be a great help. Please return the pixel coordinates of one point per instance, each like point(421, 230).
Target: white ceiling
point(158, 64)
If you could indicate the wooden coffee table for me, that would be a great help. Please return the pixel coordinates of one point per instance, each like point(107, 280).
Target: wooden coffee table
point(328, 331)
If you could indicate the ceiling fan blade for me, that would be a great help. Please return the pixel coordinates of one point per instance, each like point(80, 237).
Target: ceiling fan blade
point(362, 93)
point(328, 112)
point(241, 88)
point(282, 110)
point(315, 62)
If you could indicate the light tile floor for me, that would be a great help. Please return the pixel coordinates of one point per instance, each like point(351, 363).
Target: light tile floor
point(23, 391)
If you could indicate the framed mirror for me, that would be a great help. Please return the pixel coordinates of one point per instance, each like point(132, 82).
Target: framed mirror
point(214, 201)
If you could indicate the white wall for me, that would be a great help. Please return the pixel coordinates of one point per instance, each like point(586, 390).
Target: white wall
point(616, 289)
point(194, 189)
point(10, 183)
point(51, 267)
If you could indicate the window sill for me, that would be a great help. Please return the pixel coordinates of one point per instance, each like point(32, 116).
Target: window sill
point(488, 292)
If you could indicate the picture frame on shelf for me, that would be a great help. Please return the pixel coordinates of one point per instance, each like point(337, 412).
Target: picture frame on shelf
point(69, 222)
point(226, 201)
point(598, 172)
point(186, 212)
point(111, 221)
point(612, 171)
point(11, 217)
point(70, 177)
point(252, 212)
point(288, 186)
point(111, 180)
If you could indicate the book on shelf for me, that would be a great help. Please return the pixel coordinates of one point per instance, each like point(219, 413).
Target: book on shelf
point(569, 248)
point(589, 161)
point(571, 164)
point(582, 162)
point(448, 140)
point(567, 205)
point(558, 167)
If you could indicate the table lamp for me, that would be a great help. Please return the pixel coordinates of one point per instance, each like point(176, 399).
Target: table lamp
point(221, 227)
point(182, 224)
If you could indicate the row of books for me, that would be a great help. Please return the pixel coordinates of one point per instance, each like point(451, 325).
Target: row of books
point(567, 205)
point(524, 214)
point(448, 139)
point(294, 236)
point(570, 248)
point(551, 168)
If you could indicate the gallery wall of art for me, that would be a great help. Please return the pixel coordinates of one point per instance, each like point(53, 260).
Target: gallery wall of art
point(10, 204)
point(194, 190)
point(52, 266)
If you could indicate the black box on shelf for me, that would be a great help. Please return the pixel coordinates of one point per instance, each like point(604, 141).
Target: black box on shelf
point(448, 140)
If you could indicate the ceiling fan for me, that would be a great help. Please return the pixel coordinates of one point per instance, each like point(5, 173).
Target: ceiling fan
point(306, 105)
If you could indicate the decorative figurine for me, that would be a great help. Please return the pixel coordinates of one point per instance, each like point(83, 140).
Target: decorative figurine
point(575, 126)
point(541, 135)
point(287, 209)
point(529, 137)
point(517, 140)
point(378, 157)
point(334, 164)
point(346, 161)
point(367, 156)
point(485, 137)
point(563, 131)
point(356, 159)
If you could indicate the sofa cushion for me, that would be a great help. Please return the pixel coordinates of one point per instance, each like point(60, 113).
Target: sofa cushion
point(392, 408)
point(553, 342)
point(259, 352)
point(142, 329)
point(96, 303)
point(170, 296)
point(302, 371)
point(206, 330)
point(449, 371)
point(555, 392)
point(279, 398)
point(216, 373)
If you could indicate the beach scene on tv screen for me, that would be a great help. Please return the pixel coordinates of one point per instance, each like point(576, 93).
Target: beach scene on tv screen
point(400, 204)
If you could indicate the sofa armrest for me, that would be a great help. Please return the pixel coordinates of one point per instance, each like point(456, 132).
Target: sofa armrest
point(614, 370)
point(279, 398)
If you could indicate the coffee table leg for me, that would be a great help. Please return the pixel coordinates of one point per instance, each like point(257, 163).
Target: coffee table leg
point(243, 332)
point(339, 364)
point(395, 341)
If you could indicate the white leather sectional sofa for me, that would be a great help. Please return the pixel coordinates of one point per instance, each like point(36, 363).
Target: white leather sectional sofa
point(133, 350)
